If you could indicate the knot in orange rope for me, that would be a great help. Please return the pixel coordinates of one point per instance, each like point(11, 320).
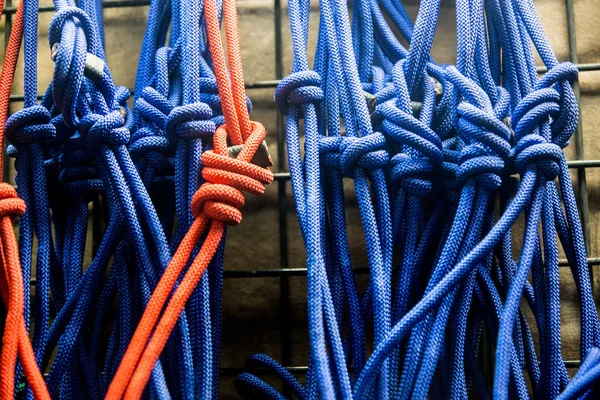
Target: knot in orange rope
point(221, 197)
point(10, 204)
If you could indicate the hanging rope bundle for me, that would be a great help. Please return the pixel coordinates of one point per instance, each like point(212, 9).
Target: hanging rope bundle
point(445, 162)
point(455, 136)
point(215, 204)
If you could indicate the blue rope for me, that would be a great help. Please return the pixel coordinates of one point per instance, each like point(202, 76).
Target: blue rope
point(455, 135)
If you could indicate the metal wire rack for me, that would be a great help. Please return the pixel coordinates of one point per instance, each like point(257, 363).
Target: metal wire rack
point(284, 272)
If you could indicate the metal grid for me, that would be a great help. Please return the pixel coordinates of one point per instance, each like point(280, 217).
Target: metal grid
point(284, 272)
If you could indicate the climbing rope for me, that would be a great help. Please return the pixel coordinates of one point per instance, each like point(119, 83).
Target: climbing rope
point(429, 149)
point(215, 204)
point(15, 341)
point(453, 134)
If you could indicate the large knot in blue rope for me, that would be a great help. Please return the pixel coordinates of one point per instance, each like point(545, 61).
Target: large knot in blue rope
point(72, 37)
point(552, 101)
point(30, 125)
point(191, 121)
point(486, 137)
point(78, 176)
point(413, 172)
point(98, 130)
point(367, 152)
point(299, 88)
point(535, 150)
point(485, 157)
point(154, 108)
point(348, 153)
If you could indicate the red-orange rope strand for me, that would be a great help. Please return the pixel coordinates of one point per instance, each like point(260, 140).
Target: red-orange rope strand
point(15, 340)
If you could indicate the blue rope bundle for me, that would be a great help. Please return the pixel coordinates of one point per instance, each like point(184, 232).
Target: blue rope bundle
point(429, 147)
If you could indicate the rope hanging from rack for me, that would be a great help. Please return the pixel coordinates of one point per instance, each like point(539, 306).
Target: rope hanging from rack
point(16, 344)
point(214, 205)
point(427, 147)
point(453, 135)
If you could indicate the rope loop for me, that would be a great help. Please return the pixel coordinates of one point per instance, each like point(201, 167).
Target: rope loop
point(190, 121)
point(299, 88)
point(10, 203)
point(72, 37)
point(76, 15)
point(535, 150)
point(108, 130)
point(30, 125)
point(221, 197)
point(552, 101)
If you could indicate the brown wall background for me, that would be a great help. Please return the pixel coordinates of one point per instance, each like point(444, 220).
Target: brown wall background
point(252, 306)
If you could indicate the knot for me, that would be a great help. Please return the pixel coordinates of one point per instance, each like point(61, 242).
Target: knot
point(190, 121)
point(154, 108)
point(488, 146)
point(78, 175)
point(329, 150)
point(535, 150)
point(30, 125)
point(476, 162)
point(10, 204)
point(553, 101)
point(366, 152)
point(412, 173)
point(221, 197)
point(407, 130)
point(486, 137)
point(107, 129)
point(348, 153)
point(297, 89)
point(413, 170)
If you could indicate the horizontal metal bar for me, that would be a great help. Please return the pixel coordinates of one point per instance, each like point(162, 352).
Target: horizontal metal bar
point(249, 85)
point(273, 83)
point(304, 369)
point(262, 84)
point(279, 272)
point(106, 4)
point(581, 67)
point(261, 371)
point(583, 164)
point(575, 164)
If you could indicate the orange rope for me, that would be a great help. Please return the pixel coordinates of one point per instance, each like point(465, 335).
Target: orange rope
point(15, 340)
point(216, 203)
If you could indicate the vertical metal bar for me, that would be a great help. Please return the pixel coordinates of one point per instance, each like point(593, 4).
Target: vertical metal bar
point(7, 30)
point(579, 151)
point(285, 307)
